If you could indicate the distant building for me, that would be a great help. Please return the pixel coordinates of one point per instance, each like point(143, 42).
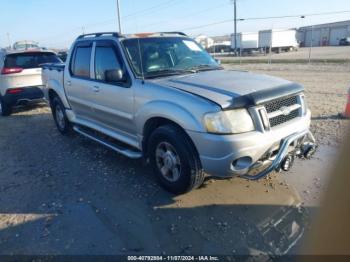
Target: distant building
point(324, 35)
point(222, 40)
point(204, 41)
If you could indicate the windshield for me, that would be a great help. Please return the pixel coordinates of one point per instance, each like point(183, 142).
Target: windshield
point(167, 56)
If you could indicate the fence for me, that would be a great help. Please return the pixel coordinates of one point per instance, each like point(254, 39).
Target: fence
point(279, 46)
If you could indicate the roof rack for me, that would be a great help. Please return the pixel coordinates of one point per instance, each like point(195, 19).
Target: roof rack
point(173, 33)
point(115, 34)
point(118, 35)
point(154, 34)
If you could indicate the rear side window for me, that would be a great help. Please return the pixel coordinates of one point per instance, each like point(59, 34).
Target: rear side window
point(105, 59)
point(81, 66)
point(30, 60)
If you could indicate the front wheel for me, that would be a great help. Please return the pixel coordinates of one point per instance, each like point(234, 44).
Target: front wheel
point(175, 160)
point(59, 114)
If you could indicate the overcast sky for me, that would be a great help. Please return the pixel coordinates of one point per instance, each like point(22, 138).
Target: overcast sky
point(56, 23)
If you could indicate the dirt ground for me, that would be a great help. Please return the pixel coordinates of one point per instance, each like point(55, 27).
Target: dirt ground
point(68, 195)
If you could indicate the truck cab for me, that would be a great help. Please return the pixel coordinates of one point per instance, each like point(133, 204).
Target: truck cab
point(162, 97)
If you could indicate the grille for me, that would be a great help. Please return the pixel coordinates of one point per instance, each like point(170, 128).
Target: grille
point(283, 119)
point(277, 104)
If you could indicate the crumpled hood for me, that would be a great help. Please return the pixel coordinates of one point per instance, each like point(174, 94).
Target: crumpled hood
point(227, 87)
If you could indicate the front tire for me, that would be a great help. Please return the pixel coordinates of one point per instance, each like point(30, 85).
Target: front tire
point(5, 109)
point(59, 114)
point(175, 160)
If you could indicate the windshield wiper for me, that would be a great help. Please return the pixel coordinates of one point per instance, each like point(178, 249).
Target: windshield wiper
point(168, 72)
point(205, 67)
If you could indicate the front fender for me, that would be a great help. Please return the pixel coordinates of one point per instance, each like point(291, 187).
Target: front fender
point(170, 111)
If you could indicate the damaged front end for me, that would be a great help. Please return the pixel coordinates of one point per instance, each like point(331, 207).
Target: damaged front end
point(301, 145)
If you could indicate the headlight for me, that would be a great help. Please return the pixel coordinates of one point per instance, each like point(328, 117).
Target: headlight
point(229, 122)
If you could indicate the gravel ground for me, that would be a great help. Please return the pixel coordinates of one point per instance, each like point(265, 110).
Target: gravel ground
point(68, 195)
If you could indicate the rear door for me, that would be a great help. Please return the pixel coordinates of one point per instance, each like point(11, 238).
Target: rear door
point(78, 85)
point(23, 69)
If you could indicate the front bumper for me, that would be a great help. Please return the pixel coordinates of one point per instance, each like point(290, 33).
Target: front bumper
point(283, 151)
point(219, 153)
point(28, 95)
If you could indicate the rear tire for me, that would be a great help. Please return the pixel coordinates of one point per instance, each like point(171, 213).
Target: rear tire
point(59, 114)
point(5, 109)
point(175, 160)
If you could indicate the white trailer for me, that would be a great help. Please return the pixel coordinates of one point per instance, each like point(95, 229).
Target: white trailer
point(245, 41)
point(278, 40)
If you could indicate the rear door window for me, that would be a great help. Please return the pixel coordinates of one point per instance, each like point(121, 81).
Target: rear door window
point(30, 60)
point(81, 65)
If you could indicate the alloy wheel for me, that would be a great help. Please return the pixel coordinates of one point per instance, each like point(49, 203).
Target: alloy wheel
point(168, 161)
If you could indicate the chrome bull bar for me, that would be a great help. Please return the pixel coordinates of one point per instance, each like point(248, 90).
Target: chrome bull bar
point(283, 152)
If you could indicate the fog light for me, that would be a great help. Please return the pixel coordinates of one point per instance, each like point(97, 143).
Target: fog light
point(287, 163)
point(242, 163)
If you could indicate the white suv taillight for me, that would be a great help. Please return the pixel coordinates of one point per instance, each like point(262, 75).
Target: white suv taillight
point(11, 70)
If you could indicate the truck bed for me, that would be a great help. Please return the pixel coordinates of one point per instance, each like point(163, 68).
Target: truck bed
point(53, 73)
point(58, 67)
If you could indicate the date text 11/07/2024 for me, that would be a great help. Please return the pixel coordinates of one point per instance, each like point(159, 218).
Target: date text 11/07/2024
point(173, 258)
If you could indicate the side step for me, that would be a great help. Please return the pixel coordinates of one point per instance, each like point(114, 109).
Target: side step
point(119, 149)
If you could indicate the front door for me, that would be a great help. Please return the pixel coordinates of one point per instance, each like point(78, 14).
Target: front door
point(113, 101)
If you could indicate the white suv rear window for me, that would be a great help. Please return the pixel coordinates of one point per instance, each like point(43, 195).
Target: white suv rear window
point(30, 60)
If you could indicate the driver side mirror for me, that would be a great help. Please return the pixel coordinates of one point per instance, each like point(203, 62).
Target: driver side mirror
point(115, 76)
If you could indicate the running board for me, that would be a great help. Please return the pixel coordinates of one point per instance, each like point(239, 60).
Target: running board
point(119, 149)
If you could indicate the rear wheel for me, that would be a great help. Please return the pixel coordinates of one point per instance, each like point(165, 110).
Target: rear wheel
point(60, 117)
point(174, 160)
point(5, 109)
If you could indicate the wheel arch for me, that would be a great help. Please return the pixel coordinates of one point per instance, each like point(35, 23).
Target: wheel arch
point(55, 88)
point(155, 122)
point(52, 94)
point(158, 113)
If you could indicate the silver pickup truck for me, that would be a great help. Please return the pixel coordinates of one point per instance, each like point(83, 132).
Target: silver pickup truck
point(162, 97)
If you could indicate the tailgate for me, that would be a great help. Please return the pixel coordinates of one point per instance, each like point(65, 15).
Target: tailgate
point(26, 68)
point(27, 78)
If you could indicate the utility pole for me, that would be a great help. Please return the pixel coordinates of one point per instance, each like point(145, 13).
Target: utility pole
point(119, 18)
point(9, 40)
point(312, 43)
point(312, 38)
point(235, 7)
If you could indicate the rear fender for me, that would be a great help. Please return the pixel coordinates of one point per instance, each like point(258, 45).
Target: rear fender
point(56, 86)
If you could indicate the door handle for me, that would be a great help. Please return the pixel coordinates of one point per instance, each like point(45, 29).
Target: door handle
point(96, 89)
point(69, 83)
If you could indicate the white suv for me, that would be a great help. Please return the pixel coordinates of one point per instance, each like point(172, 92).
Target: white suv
point(20, 77)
